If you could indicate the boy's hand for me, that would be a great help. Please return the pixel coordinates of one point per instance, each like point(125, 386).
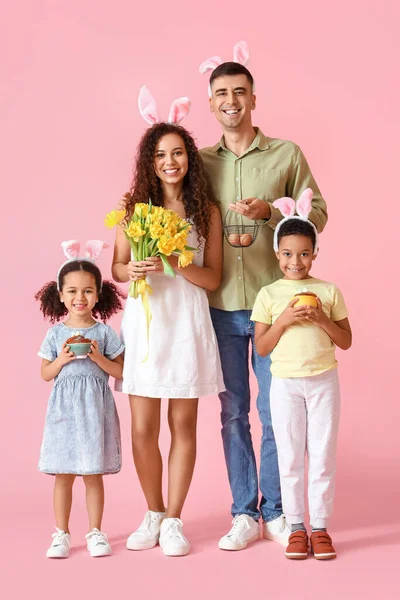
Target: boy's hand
point(95, 355)
point(66, 355)
point(291, 314)
point(317, 315)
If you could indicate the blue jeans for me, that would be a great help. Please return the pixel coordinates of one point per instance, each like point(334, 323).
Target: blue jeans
point(234, 331)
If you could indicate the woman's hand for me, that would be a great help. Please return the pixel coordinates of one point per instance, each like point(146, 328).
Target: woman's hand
point(138, 269)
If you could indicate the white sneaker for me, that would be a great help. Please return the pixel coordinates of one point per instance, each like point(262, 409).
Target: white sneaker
point(244, 531)
point(172, 540)
point(60, 545)
point(277, 530)
point(148, 534)
point(97, 543)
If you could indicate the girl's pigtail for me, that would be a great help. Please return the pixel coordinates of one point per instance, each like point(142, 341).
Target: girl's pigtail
point(50, 303)
point(110, 301)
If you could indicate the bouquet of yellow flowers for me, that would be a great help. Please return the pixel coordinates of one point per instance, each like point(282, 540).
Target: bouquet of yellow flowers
point(153, 231)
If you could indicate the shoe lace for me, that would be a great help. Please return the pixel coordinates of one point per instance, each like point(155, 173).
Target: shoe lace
point(174, 529)
point(146, 522)
point(239, 524)
point(59, 537)
point(97, 537)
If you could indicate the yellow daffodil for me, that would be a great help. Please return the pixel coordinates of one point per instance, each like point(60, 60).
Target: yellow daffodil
point(180, 240)
point(166, 245)
point(156, 231)
point(185, 258)
point(114, 217)
point(134, 231)
point(141, 209)
point(170, 230)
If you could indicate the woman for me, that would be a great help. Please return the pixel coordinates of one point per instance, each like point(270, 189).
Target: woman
point(183, 361)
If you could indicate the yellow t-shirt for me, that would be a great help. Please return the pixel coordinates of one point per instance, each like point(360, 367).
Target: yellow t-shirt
point(304, 349)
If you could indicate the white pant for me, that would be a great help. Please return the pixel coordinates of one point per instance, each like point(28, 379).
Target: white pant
point(305, 417)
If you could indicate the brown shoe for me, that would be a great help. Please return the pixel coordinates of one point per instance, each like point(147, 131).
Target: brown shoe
point(321, 546)
point(297, 548)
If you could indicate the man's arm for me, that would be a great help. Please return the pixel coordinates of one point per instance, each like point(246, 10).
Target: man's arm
point(300, 178)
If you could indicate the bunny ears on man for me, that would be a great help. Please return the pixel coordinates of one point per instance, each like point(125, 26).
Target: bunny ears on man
point(241, 55)
point(148, 108)
point(288, 207)
point(72, 248)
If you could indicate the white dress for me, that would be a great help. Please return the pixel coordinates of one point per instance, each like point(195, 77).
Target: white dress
point(183, 359)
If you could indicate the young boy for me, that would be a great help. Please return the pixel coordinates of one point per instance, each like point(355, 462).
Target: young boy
point(305, 397)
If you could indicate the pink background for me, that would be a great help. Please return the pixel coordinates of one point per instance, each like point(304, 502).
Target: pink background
point(327, 78)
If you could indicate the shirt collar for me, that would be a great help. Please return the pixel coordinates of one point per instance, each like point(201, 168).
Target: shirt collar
point(260, 142)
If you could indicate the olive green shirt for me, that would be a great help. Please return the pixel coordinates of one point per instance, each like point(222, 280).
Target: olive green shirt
point(268, 169)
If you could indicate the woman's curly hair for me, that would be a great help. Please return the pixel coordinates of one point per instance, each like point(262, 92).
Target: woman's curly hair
point(108, 304)
point(197, 197)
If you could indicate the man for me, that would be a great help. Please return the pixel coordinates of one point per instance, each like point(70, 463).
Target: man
point(247, 172)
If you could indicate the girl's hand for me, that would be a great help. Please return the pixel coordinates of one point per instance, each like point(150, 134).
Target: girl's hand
point(317, 315)
point(291, 314)
point(66, 355)
point(138, 269)
point(95, 355)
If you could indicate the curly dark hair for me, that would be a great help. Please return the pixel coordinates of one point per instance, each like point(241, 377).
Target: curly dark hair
point(297, 227)
point(110, 297)
point(197, 197)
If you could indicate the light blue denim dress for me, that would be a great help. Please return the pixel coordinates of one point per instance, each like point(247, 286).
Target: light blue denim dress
point(81, 433)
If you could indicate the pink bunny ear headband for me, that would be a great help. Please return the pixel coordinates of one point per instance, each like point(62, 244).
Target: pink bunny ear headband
point(241, 55)
point(71, 249)
point(288, 207)
point(148, 108)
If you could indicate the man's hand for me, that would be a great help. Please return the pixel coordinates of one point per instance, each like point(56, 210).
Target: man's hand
point(252, 208)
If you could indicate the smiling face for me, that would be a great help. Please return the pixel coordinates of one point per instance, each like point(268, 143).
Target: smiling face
point(79, 293)
point(232, 101)
point(171, 159)
point(295, 256)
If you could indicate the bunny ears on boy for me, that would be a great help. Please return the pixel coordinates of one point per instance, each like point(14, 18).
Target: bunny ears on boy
point(148, 108)
point(288, 207)
point(241, 55)
point(72, 248)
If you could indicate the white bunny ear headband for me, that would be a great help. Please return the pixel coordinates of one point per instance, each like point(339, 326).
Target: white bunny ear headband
point(72, 248)
point(288, 207)
point(241, 55)
point(148, 108)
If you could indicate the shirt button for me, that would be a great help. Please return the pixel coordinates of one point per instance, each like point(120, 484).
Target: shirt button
point(240, 277)
point(239, 258)
point(238, 216)
point(237, 197)
point(237, 179)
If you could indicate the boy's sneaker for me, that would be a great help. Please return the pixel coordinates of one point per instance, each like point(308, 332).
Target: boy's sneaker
point(97, 543)
point(277, 530)
point(321, 545)
point(298, 545)
point(172, 540)
point(60, 545)
point(148, 534)
point(244, 531)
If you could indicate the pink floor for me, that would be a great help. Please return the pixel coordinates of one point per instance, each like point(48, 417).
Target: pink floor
point(366, 532)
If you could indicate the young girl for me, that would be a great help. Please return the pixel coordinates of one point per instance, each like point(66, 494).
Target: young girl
point(183, 361)
point(305, 400)
point(81, 434)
